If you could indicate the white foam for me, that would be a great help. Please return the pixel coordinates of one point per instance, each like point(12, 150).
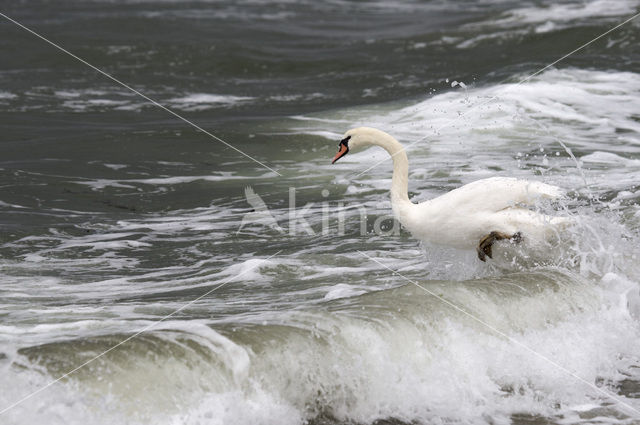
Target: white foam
point(342, 290)
point(609, 158)
point(570, 11)
point(248, 269)
point(82, 105)
point(8, 205)
point(204, 101)
point(100, 184)
point(544, 18)
point(72, 94)
point(115, 166)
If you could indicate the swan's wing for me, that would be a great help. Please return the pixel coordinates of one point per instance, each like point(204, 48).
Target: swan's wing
point(254, 199)
point(497, 193)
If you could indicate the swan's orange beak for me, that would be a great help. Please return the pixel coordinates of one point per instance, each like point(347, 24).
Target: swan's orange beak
point(341, 152)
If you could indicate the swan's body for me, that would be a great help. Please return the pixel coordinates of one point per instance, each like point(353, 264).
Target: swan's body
point(466, 216)
point(463, 216)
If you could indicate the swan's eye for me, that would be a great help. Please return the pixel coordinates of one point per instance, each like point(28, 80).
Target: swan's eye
point(344, 142)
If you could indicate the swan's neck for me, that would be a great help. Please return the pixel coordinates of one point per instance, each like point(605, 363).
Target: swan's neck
point(400, 182)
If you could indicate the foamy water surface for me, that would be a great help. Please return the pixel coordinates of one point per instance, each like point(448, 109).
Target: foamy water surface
point(116, 220)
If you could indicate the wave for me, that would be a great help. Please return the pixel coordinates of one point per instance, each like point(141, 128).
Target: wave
point(320, 333)
point(396, 353)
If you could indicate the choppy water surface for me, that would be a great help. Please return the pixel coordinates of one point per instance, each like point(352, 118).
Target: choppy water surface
point(114, 214)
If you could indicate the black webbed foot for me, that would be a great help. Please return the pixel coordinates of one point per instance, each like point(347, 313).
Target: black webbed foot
point(486, 243)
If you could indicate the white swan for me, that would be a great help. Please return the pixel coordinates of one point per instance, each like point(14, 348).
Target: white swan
point(473, 216)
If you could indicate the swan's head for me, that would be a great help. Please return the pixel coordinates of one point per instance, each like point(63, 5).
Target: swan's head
point(357, 139)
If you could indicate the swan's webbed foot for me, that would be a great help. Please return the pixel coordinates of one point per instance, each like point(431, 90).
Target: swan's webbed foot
point(484, 247)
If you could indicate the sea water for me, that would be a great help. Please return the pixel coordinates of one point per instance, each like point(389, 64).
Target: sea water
point(119, 222)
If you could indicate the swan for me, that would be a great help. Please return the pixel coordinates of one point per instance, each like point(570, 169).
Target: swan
point(475, 215)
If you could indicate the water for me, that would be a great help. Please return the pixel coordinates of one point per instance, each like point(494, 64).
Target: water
point(114, 214)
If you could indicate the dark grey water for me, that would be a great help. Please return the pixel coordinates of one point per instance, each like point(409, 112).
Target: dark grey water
point(114, 213)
